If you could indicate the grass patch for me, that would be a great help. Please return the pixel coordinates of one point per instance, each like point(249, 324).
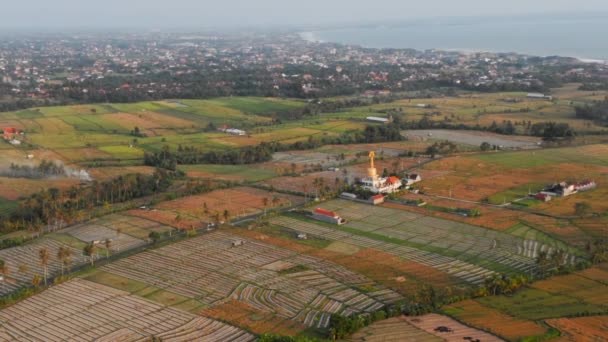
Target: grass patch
point(166, 298)
point(116, 281)
point(295, 269)
point(67, 239)
point(191, 305)
point(515, 193)
point(533, 304)
point(246, 172)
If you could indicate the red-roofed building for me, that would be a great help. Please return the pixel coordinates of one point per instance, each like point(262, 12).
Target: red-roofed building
point(377, 199)
point(542, 197)
point(9, 133)
point(327, 216)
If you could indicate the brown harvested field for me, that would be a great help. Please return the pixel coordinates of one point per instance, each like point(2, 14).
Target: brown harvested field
point(581, 329)
point(15, 188)
point(587, 286)
point(167, 218)
point(562, 229)
point(403, 276)
point(475, 314)
point(273, 240)
point(387, 268)
point(115, 171)
point(597, 199)
point(473, 179)
point(306, 183)
point(241, 201)
point(395, 329)
point(430, 322)
point(245, 316)
point(597, 226)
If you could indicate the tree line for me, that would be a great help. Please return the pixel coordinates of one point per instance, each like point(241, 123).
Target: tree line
point(597, 112)
point(54, 207)
point(169, 159)
point(42, 170)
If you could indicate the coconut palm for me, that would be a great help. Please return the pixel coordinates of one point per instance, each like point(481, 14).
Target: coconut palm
point(89, 251)
point(61, 253)
point(108, 244)
point(44, 256)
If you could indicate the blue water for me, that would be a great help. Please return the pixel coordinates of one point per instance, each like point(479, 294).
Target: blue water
point(580, 36)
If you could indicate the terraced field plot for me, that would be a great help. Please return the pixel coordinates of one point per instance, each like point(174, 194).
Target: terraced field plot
point(80, 310)
point(475, 314)
point(581, 292)
point(581, 329)
point(430, 322)
point(210, 270)
point(467, 252)
point(23, 262)
point(395, 329)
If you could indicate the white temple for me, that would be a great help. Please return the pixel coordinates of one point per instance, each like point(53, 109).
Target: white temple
point(379, 185)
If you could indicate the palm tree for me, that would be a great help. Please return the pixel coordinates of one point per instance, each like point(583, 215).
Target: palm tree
point(44, 256)
point(67, 259)
point(108, 244)
point(89, 251)
point(3, 267)
point(61, 254)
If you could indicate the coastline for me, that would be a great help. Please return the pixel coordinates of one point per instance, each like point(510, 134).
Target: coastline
point(312, 37)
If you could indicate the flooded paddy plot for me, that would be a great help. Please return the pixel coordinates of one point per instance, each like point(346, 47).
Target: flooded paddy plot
point(80, 310)
point(214, 269)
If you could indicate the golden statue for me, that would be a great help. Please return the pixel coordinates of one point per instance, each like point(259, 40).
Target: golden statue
point(372, 155)
point(371, 171)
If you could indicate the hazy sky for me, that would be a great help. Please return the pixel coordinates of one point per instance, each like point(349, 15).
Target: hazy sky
point(207, 13)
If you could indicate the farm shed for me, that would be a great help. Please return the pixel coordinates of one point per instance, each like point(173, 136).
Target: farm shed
point(327, 216)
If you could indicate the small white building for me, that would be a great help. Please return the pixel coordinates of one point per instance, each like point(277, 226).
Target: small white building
point(413, 178)
point(377, 119)
point(539, 96)
point(235, 131)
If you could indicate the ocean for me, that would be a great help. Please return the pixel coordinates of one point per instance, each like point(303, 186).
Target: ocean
point(579, 36)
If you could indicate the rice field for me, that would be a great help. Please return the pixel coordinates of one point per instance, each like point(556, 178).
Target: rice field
point(581, 329)
point(467, 252)
point(475, 314)
point(238, 202)
point(124, 233)
point(430, 322)
point(396, 329)
point(283, 283)
point(80, 310)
